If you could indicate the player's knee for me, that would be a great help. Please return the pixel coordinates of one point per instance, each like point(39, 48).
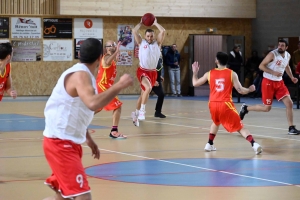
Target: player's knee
point(267, 108)
point(86, 196)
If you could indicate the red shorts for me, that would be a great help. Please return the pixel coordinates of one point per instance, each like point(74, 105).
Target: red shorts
point(113, 105)
point(64, 158)
point(151, 75)
point(225, 113)
point(270, 88)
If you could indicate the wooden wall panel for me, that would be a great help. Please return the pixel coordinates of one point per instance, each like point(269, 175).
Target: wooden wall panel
point(28, 7)
point(39, 78)
point(166, 8)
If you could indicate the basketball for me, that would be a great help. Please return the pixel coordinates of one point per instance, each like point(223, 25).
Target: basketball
point(148, 19)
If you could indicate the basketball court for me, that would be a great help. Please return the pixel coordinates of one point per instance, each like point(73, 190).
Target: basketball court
point(162, 159)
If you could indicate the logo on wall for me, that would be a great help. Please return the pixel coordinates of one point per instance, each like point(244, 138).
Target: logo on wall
point(57, 28)
point(4, 27)
point(88, 28)
point(26, 27)
point(88, 23)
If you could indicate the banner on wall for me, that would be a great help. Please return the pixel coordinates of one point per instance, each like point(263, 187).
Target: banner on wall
point(125, 58)
point(125, 36)
point(78, 42)
point(88, 28)
point(27, 50)
point(57, 28)
point(25, 27)
point(4, 27)
point(58, 50)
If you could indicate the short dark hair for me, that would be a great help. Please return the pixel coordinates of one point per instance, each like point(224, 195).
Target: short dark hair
point(5, 50)
point(284, 41)
point(90, 50)
point(149, 30)
point(222, 58)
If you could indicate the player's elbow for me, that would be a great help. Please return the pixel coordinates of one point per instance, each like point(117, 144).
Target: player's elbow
point(93, 106)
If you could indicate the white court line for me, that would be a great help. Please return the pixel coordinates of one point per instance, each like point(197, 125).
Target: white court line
point(192, 166)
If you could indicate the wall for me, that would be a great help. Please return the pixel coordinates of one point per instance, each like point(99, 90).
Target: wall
point(39, 78)
point(37, 7)
point(166, 8)
point(275, 18)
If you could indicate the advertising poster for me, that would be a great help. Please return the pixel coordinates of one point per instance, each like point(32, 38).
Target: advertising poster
point(58, 50)
point(57, 28)
point(26, 50)
point(125, 58)
point(77, 43)
point(25, 27)
point(88, 28)
point(125, 36)
point(4, 27)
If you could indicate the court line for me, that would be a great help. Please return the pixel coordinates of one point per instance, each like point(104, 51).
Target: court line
point(192, 166)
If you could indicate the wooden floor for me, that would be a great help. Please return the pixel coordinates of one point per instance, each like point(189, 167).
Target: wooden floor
point(179, 166)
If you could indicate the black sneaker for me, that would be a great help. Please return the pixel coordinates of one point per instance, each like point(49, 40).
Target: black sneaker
point(243, 111)
point(179, 95)
point(293, 131)
point(160, 115)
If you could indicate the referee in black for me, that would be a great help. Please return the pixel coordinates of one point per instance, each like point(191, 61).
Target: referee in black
point(158, 90)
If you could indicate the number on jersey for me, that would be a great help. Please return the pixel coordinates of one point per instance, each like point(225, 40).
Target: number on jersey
point(220, 84)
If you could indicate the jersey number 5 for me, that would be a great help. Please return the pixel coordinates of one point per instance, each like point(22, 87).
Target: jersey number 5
point(219, 84)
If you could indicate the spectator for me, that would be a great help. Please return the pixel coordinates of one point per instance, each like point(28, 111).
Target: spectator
point(173, 61)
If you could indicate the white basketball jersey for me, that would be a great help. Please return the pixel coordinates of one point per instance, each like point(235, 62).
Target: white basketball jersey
point(149, 55)
point(67, 117)
point(278, 64)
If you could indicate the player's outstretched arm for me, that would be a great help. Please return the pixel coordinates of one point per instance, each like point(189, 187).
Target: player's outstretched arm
point(83, 86)
point(137, 36)
point(9, 89)
point(161, 34)
point(237, 85)
point(198, 81)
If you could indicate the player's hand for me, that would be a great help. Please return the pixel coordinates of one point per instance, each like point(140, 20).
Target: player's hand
point(295, 80)
point(195, 67)
point(118, 46)
point(277, 74)
point(156, 84)
point(162, 79)
point(126, 80)
point(155, 21)
point(252, 88)
point(94, 148)
point(175, 63)
point(13, 94)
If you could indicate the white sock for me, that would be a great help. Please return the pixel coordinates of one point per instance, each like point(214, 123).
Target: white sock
point(143, 107)
point(136, 112)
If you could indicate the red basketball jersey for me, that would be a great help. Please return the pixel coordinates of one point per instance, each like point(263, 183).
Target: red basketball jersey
point(106, 75)
point(3, 79)
point(220, 81)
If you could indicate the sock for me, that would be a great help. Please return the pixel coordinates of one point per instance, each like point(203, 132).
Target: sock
point(114, 128)
point(250, 139)
point(136, 112)
point(211, 138)
point(143, 107)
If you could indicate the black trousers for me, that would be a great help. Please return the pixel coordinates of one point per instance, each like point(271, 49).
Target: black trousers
point(158, 90)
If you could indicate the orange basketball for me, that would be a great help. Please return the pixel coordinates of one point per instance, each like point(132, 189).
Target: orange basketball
point(148, 19)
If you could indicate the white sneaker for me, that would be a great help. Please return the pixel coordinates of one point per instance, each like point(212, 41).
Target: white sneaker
point(135, 120)
point(141, 115)
point(209, 147)
point(257, 148)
